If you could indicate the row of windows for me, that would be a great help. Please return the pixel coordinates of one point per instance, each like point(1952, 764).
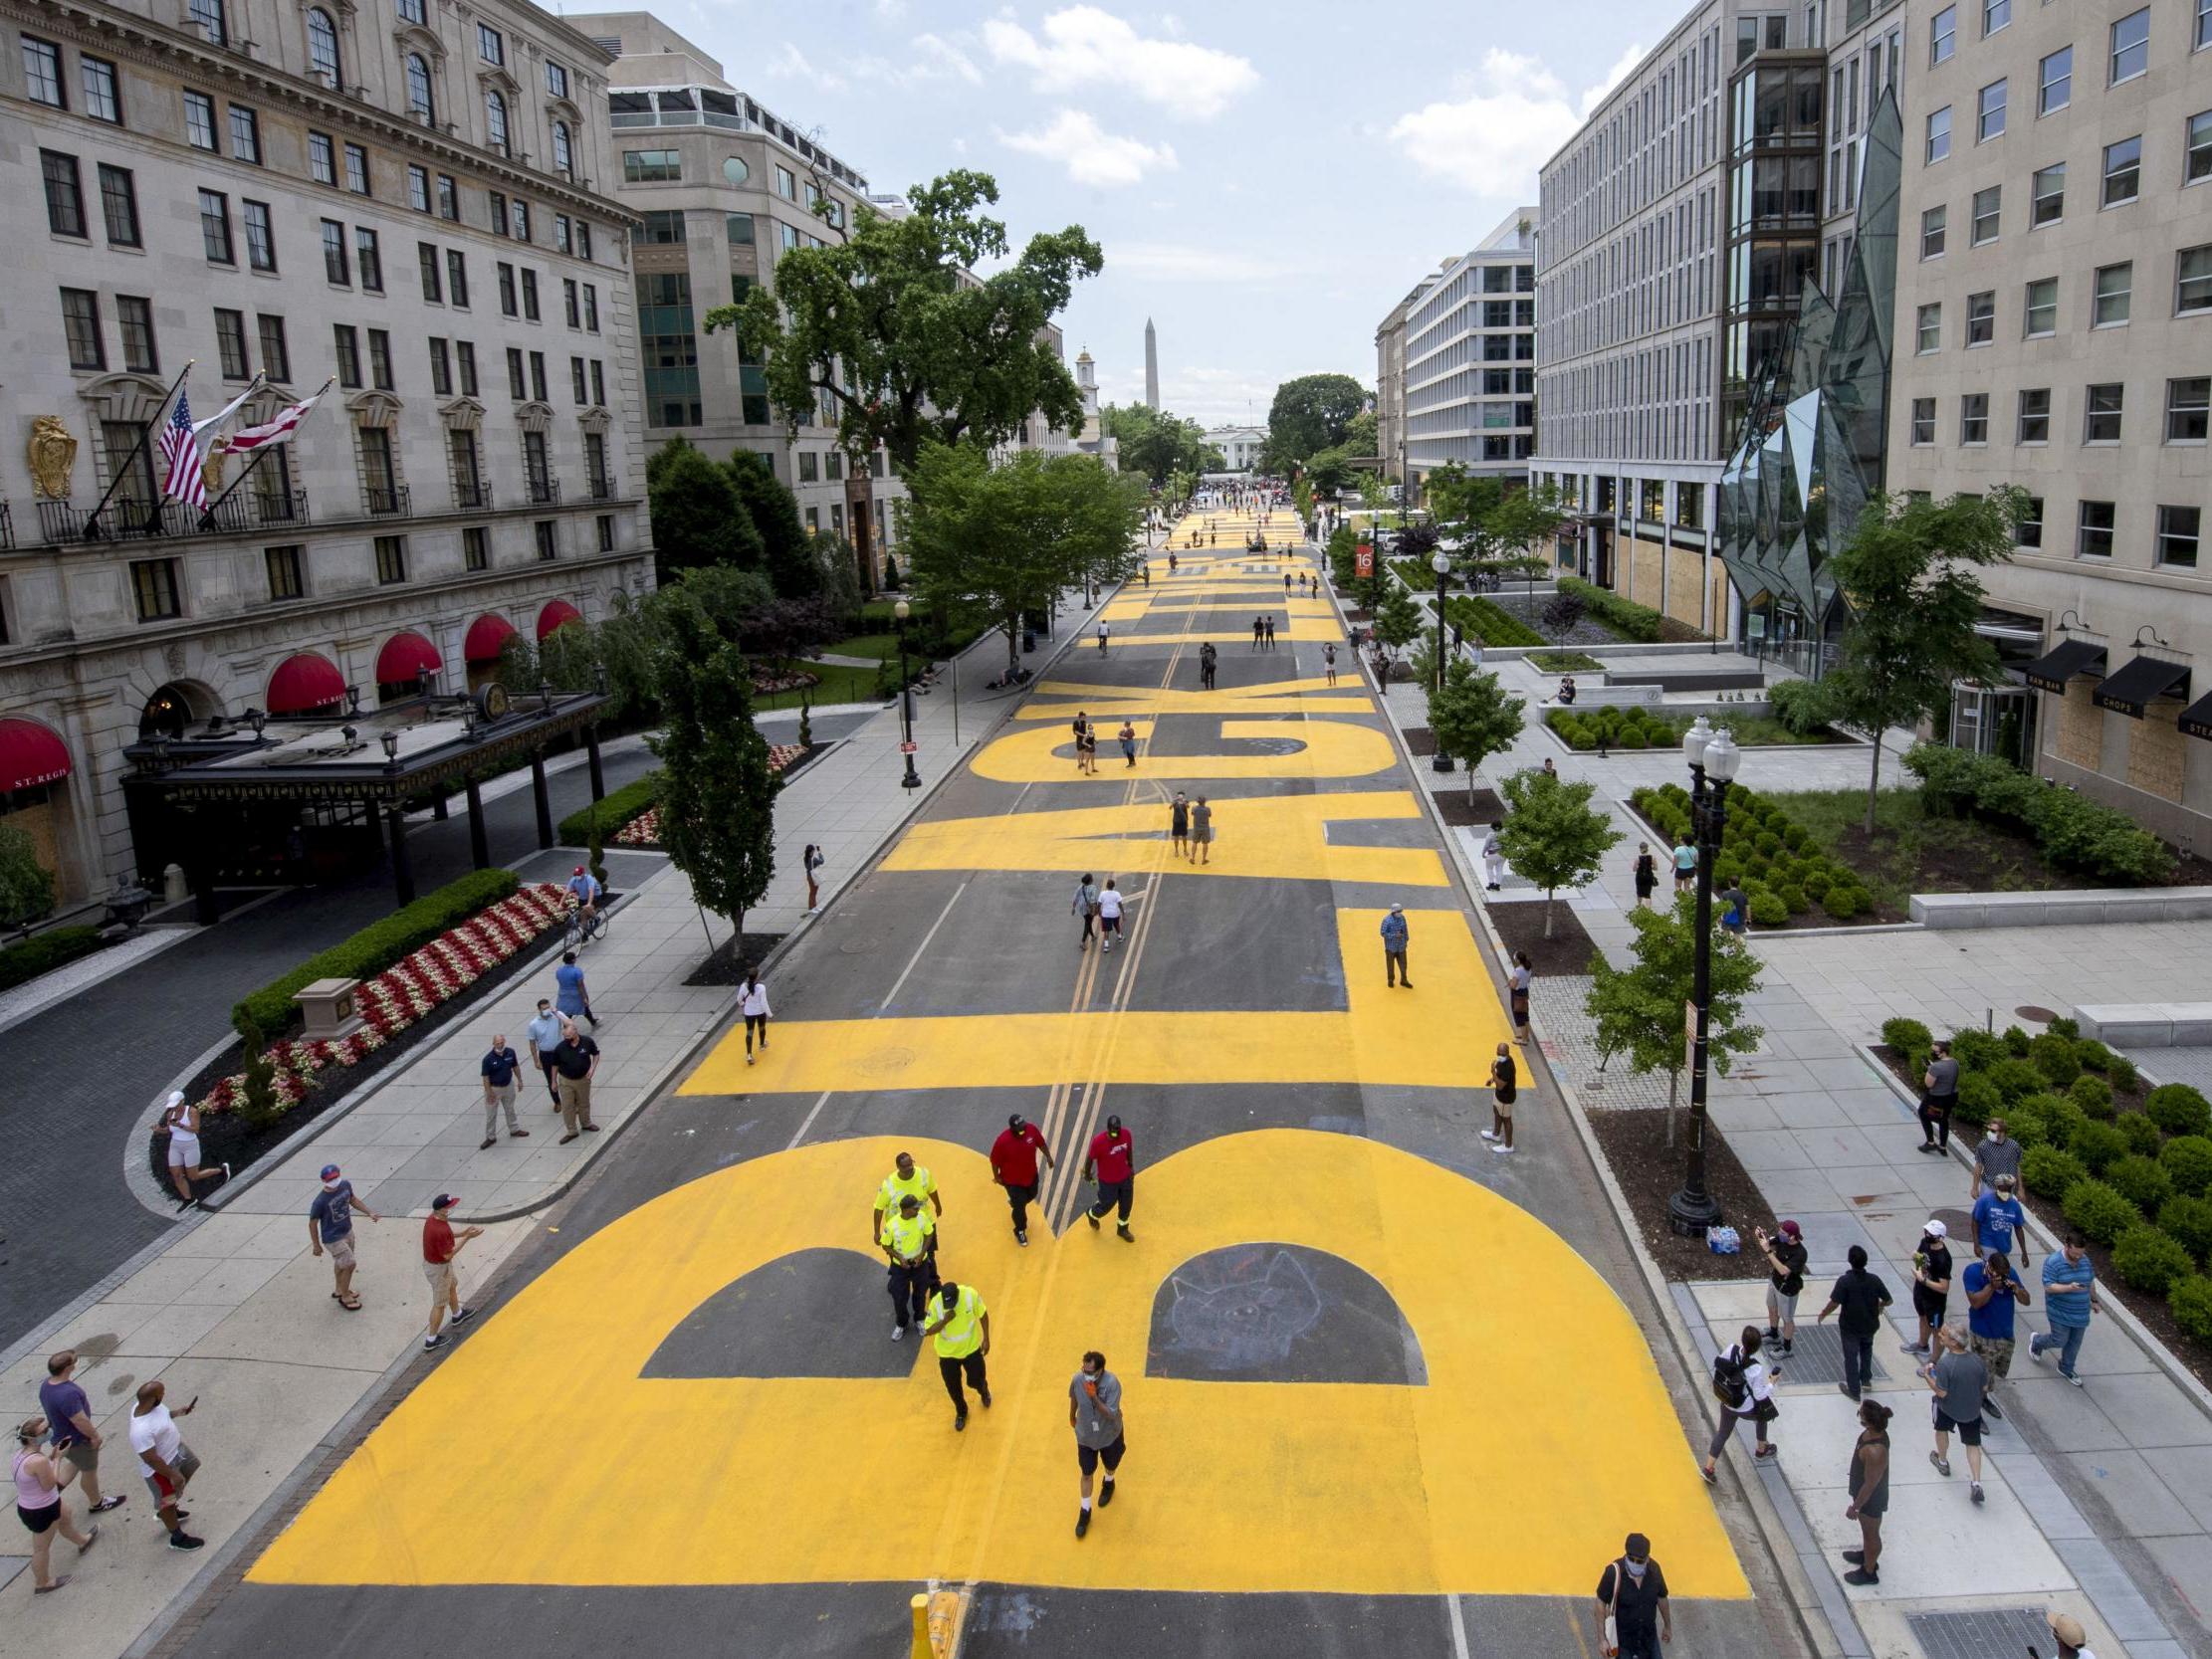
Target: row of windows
point(2120, 181)
point(2112, 303)
point(1654, 277)
point(1643, 499)
point(2104, 407)
point(2176, 532)
point(1652, 404)
point(2128, 56)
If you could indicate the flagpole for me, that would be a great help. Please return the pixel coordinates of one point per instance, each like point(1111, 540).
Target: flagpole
point(232, 488)
point(91, 519)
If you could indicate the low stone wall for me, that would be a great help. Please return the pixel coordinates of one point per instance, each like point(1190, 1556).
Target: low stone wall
point(1688, 678)
point(2063, 908)
point(2147, 1024)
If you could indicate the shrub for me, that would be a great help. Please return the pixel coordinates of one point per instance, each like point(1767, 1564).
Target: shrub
point(1767, 909)
point(1816, 885)
point(258, 1104)
point(2064, 1118)
point(41, 953)
point(1582, 742)
point(2142, 1134)
point(2016, 1079)
point(2120, 1071)
point(2140, 1182)
point(2097, 1210)
point(1631, 739)
point(2188, 1159)
point(2150, 1261)
point(2179, 1110)
point(1768, 843)
point(2098, 1145)
point(1847, 902)
point(2030, 1120)
point(2016, 1041)
point(375, 947)
point(1905, 1036)
point(1794, 837)
point(1975, 1049)
point(2190, 1303)
point(1797, 706)
point(2054, 1057)
point(618, 809)
point(2070, 1029)
point(1490, 623)
point(1793, 896)
point(2070, 829)
point(2188, 1222)
point(2049, 1172)
point(2092, 1093)
point(2093, 1056)
point(1978, 1100)
point(1631, 621)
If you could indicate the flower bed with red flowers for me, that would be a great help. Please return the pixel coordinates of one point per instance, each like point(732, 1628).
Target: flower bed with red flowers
point(768, 685)
point(644, 830)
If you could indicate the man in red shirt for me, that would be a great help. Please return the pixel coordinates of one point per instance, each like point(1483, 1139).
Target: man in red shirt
point(440, 1244)
point(1014, 1165)
point(1112, 1163)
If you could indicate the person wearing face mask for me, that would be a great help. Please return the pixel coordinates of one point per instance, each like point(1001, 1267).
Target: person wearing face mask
point(1634, 1618)
point(1931, 1283)
point(1998, 1155)
point(1112, 1163)
point(2069, 1296)
point(1014, 1165)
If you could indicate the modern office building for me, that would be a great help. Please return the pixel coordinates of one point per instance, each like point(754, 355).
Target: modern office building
point(1469, 346)
point(1240, 446)
point(1389, 380)
point(411, 204)
point(2055, 332)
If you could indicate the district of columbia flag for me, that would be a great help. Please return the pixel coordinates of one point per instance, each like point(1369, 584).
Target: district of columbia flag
point(278, 428)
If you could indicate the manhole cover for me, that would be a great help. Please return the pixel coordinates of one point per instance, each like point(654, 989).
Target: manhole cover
point(2028, 1011)
point(857, 947)
point(1993, 1633)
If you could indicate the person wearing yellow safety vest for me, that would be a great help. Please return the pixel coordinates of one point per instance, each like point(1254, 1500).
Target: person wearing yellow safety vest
point(961, 1324)
point(909, 1238)
point(908, 1177)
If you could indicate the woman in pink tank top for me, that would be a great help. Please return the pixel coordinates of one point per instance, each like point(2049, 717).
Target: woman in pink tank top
point(38, 1502)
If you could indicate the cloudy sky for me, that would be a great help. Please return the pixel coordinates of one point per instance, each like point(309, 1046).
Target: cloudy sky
point(1266, 179)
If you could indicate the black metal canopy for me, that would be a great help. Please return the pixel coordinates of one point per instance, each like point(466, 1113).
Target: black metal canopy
point(2062, 662)
point(2131, 689)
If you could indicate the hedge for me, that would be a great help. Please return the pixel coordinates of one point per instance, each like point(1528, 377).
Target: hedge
point(2072, 830)
point(272, 1011)
point(2147, 1260)
point(2142, 1181)
point(2178, 1110)
point(1625, 617)
point(2188, 1159)
point(2190, 1303)
point(2097, 1210)
point(2188, 1222)
point(616, 809)
point(43, 952)
point(2049, 1173)
point(1490, 623)
point(2099, 1145)
point(1766, 851)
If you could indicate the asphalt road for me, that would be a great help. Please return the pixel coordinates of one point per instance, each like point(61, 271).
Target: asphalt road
point(1386, 1391)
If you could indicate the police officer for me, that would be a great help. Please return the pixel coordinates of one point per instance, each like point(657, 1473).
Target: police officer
point(907, 1177)
point(909, 1238)
point(961, 1324)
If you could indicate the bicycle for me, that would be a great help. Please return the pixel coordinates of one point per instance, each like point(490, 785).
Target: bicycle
point(583, 929)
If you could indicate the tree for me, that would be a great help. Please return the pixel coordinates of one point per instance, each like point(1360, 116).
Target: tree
point(717, 796)
point(1552, 834)
point(788, 555)
point(1158, 444)
point(894, 329)
point(1639, 1010)
point(1310, 414)
point(1329, 469)
point(1363, 436)
point(1398, 620)
point(1472, 716)
point(698, 516)
point(26, 884)
point(1562, 612)
point(1907, 573)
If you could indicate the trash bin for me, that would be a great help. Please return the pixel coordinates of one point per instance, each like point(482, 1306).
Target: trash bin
point(1028, 639)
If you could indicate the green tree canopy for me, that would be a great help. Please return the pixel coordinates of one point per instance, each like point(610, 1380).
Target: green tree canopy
point(1552, 834)
point(1471, 715)
point(788, 552)
point(1309, 414)
point(1329, 469)
point(1158, 444)
point(894, 329)
point(1363, 436)
point(1397, 619)
point(26, 886)
point(1639, 1009)
point(698, 516)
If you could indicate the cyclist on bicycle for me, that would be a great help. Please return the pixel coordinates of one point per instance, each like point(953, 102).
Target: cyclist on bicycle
point(583, 894)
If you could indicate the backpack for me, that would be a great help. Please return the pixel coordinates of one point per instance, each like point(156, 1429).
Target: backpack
point(1727, 1379)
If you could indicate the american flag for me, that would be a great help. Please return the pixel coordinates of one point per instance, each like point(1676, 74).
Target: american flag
point(184, 482)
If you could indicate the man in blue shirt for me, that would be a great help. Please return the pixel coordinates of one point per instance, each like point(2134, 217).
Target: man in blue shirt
point(2000, 1223)
point(331, 1225)
point(545, 1036)
point(1991, 1294)
point(584, 886)
point(1394, 948)
point(2068, 1296)
point(499, 1069)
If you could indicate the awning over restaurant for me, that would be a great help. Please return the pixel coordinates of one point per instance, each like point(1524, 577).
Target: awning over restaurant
point(302, 682)
point(31, 755)
point(2196, 720)
point(559, 614)
point(485, 637)
point(2131, 688)
point(2051, 672)
point(406, 657)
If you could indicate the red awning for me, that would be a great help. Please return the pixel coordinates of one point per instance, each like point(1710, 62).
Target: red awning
point(305, 681)
point(30, 754)
point(405, 657)
point(486, 635)
point(559, 614)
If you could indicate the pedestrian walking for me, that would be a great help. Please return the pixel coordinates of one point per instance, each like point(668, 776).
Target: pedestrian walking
point(1996, 1157)
point(1993, 1292)
point(1085, 905)
point(1785, 1257)
point(1109, 916)
point(907, 1179)
point(1082, 728)
point(1647, 875)
point(39, 1481)
point(2066, 1631)
point(1270, 633)
point(1522, 976)
point(961, 1325)
point(499, 1067)
point(1685, 863)
point(1112, 1163)
point(1999, 1222)
point(1102, 632)
point(1286, 584)
point(1259, 628)
point(1634, 1618)
point(570, 996)
point(1014, 1165)
point(1208, 659)
point(1493, 861)
point(1958, 1377)
point(440, 1244)
point(1202, 830)
point(1504, 1085)
point(576, 1062)
point(1179, 825)
point(1931, 1283)
point(1128, 738)
point(1094, 1413)
point(182, 1118)
point(1869, 1486)
point(810, 861)
point(907, 1235)
point(167, 1463)
point(1735, 909)
point(1860, 1296)
point(77, 1438)
point(331, 1227)
point(544, 1033)
point(1939, 1096)
point(752, 1003)
point(1744, 1386)
point(1328, 661)
point(2069, 1298)
point(1394, 948)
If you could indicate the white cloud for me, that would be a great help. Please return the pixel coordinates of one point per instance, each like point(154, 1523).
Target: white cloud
point(930, 57)
point(1515, 113)
point(1092, 155)
point(1172, 262)
point(1085, 48)
point(793, 64)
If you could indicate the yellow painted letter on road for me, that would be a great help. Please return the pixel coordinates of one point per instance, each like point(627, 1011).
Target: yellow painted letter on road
point(1295, 748)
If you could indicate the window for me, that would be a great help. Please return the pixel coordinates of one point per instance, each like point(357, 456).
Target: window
point(321, 158)
point(2055, 81)
point(199, 120)
point(564, 239)
point(1929, 331)
point(2197, 161)
point(1981, 319)
point(663, 226)
point(369, 259)
point(421, 98)
point(651, 166)
point(2130, 45)
point(208, 14)
point(285, 579)
point(426, 261)
point(568, 308)
point(538, 375)
point(476, 547)
point(1942, 35)
point(464, 363)
point(2101, 424)
point(497, 204)
point(599, 383)
point(154, 589)
point(334, 253)
point(515, 385)
point(261, 235)
point(1924, 421)
point(356, 169)
point(786, 185)
point(2192, 280)
point(322, 46)
point(1973, 418)
point(457, 278)
point(2093, 537)
point(521, 220)
point(42, 72)
point(495, 120)
point(606, 523)
point(379, 359)
point(80, 327)
point(2028, 530)
point(276, 355)
point(2177, 536)
point(2123, 170)
point(1986, 209)
point(506, 288)
point(1933, 223)
point(809, 466)
point(230, 342)
point(348, 348)
point(449, 198)
point(2041, 309)
point(529, 295)
point(576, 383)
point(245, 135)
point(557, 80)
point(537, 470)
point(2188, 404)
point(65, 194)
point(740, 229)
point(2204, 25)
point(564, 152)
point(583, 239)
point(2035, 415)
point(101, 101)
point(391, 559)
point(591, 309)
point(1989, 112)
point(833, 466)
point(441, 369)
point(1939, 135)
point(1995, 15)
point(2047, 200)
point(119, 206)
point(215, 228)
point(2116, 285)
point(489, 46)
point(786, 236)
point(548, 548)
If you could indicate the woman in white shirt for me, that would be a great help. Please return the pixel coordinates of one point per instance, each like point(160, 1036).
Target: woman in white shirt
point(752, 1003)
point(1756, 1406)
point(182, 1120)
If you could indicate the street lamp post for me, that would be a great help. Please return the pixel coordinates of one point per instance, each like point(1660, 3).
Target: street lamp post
point(1440, 563)
point(1714, 759)
point(913, 779)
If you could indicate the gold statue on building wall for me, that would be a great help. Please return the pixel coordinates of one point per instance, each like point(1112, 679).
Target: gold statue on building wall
point(53, 454)
point(211, 469)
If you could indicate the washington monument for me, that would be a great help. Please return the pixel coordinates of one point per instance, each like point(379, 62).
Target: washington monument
point(1152, 366)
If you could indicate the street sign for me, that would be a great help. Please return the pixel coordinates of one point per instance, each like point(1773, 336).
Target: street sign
point(1689, 1023)
point(1363, 559)
point(908, 748)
